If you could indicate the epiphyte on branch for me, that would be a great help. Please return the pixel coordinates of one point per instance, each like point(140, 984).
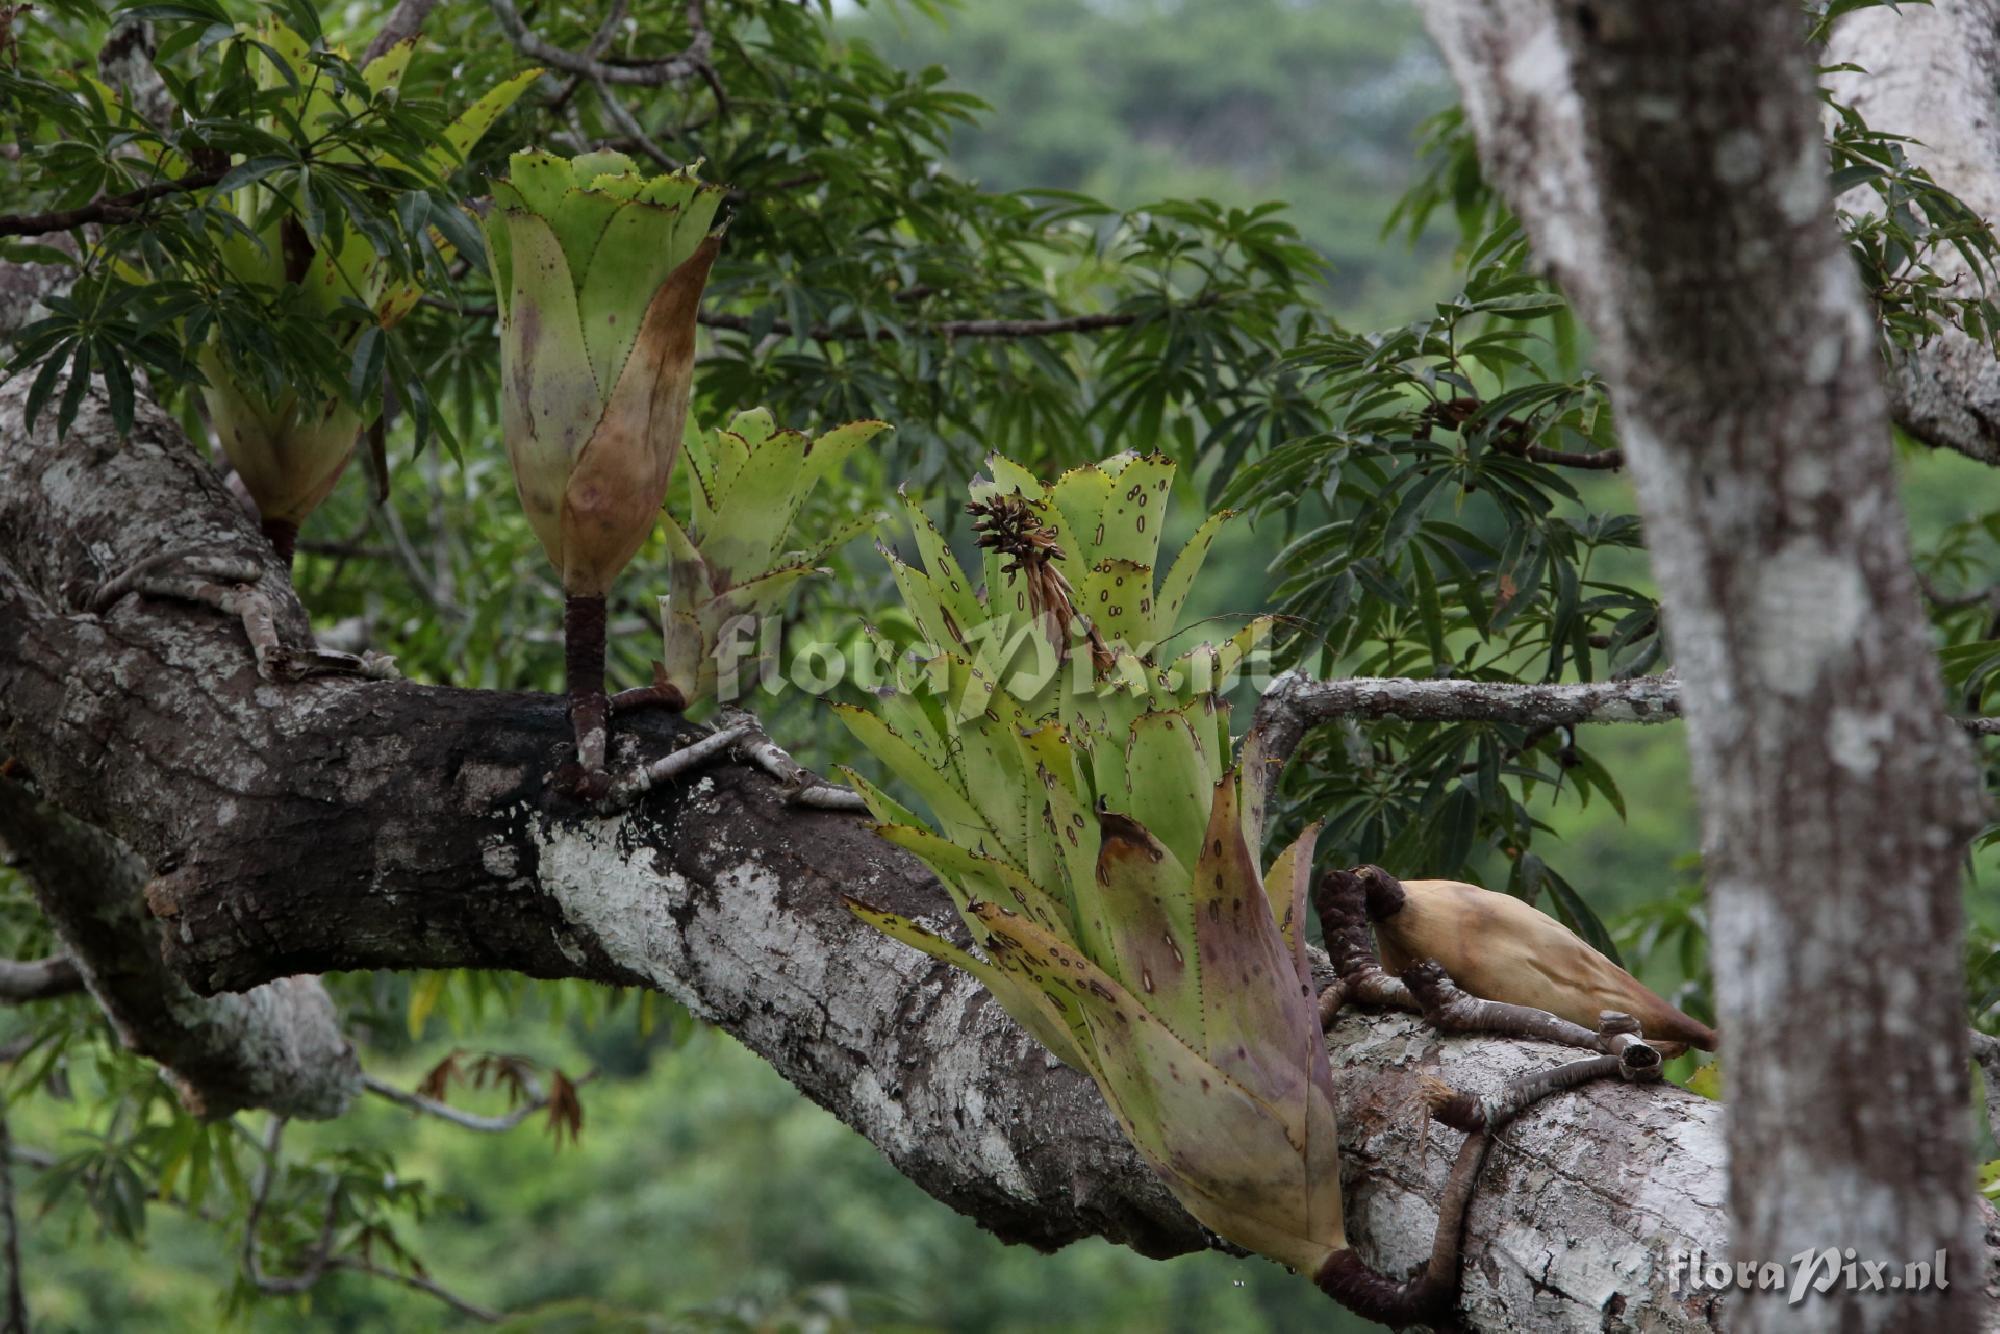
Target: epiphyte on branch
point(289, 445)
point(736, 557)
point(599, 272)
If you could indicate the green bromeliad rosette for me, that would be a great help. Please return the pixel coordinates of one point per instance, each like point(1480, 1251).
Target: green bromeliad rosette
point(735, 559)
point(599, 272)
point(288, 448)
point(1102, 846)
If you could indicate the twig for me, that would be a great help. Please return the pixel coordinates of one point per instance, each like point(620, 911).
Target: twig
point(538, 1100)
point(802, 786)
point(39, 1159)
point(1514, 436)
point(1066, 324)
point(16, 1321)
point(42, 1160)
point(646, 74)
point(403, 23)
point(111, 208)
point(38, 979)
point(321, 1255)
point(643, 779)
point(1988, 596)
point(626, 121)
point(485, 1315)
point(1295, 703)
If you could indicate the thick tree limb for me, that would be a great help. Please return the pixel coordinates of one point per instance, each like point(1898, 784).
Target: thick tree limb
point(1932, 72)
point(343, 824)
point(277, 1046)
point(1668, 164)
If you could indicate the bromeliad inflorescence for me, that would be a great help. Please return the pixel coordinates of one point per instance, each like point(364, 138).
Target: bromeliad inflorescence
point(1099, 832)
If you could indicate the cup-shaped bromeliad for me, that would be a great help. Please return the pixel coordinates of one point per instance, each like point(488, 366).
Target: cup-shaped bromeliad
point(289, 447)
point(599, 272)
point(737, 558)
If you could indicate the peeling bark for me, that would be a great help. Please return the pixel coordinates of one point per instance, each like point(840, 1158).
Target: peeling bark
point(337, 823)
point(1668, 165)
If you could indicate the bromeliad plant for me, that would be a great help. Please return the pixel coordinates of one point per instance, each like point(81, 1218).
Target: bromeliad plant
point(1102, 847)
point(1099, 834)
point(599, 272)
point(734, 562)
point(288, 443)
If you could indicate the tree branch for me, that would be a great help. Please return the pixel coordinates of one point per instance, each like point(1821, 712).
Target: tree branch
point(405, 21)
point(332, 823)
point(39, 979)
point(316, 1260)
point(277, 1046)
point(127, 207)
point(644, 74)
point(537, 1101)
point(1296, 703)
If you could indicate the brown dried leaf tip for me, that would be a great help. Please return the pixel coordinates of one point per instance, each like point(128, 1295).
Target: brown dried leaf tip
point(565, 1108)
point(503, 1070)
point(442, 1076)
point(1009, 525)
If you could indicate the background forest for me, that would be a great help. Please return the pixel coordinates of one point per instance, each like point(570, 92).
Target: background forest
point(703, 1192)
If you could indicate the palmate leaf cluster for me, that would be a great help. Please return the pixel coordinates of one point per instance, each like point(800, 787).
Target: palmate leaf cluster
point(350, 165)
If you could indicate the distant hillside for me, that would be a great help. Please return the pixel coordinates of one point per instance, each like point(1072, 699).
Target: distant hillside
point(1315, 102)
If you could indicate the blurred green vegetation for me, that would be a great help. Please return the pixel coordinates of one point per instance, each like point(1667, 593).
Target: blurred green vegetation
point(1309, 101)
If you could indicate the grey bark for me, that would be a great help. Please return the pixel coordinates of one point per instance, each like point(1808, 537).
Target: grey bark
point(1932, 72)
point(1668, 164)
point(347, 824)
point(277, 1046)
point(38, 979)
point(1296, 703)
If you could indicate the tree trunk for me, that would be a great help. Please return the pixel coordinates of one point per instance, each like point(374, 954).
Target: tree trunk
point(1930, 72)
point(1668, 164)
